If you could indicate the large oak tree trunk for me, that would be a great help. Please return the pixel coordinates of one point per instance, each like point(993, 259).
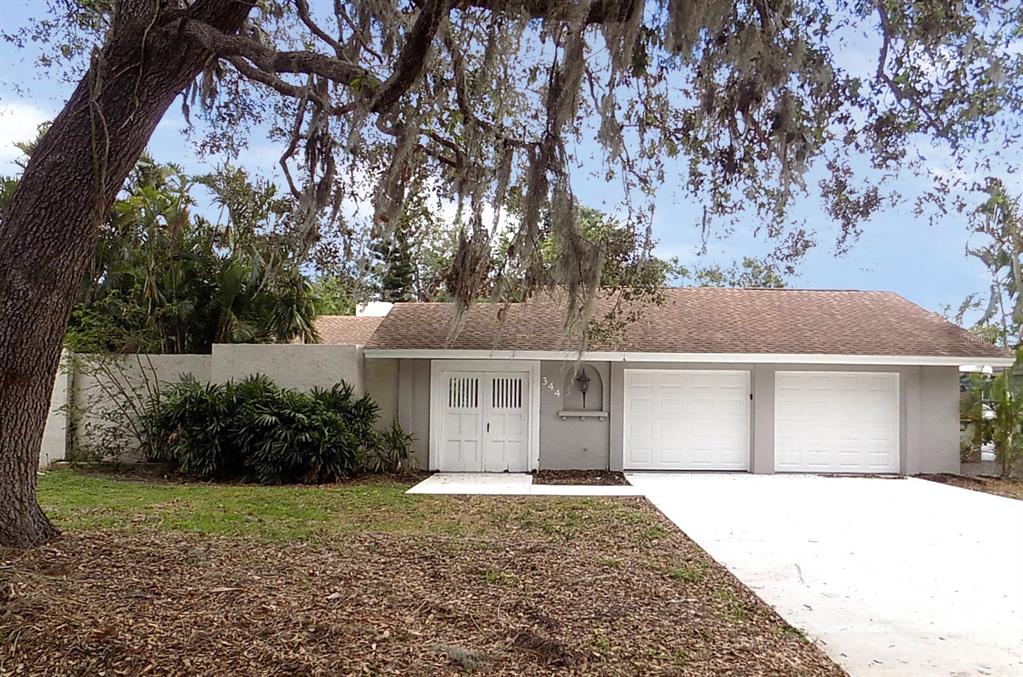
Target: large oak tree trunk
point(49, 229)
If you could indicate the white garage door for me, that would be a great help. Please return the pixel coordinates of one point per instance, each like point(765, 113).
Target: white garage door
point(686, 420)
point(840, 422)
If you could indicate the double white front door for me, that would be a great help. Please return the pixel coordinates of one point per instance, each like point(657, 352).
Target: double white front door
point(485, 421)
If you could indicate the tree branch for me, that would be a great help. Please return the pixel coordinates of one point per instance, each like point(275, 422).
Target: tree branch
point(303, 13)
point(600, 11)
point(412, 60)
point(900, 94)
point(272, 61)
point(285, 88)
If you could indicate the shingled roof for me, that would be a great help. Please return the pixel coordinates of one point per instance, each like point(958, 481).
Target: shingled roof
point(346, 329)
point(701, 320)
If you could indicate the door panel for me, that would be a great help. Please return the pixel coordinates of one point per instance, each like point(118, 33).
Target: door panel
point(463, 437)
point(505, 432)
point(485, 422)
point(836, 422)
point(687, 419)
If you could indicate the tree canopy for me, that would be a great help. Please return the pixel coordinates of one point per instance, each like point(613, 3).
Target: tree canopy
point(495, 106)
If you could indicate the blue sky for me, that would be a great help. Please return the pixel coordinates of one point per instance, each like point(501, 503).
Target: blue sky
point(897, 252)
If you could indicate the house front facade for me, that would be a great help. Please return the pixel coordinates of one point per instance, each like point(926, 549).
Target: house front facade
point(754, 380)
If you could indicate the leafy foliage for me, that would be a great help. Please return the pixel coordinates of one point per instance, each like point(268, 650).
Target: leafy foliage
point(252, 430)
point(750, 273)
point(395, 267)
point(740, 106)
point(166, 281)
point(972, 402)
point(996, 229)
point(336, 295)
point(1007, 423)
point(392, 452)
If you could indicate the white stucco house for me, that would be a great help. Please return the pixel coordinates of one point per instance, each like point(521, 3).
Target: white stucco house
point(744, 380)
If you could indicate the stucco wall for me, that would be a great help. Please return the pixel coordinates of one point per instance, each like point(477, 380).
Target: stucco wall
point(106, 393)
point(54, 443)
point(933, 440)
point(414, 405)
point(573, 443)
point(381, 381)
point(762, 425)
point(290, 365)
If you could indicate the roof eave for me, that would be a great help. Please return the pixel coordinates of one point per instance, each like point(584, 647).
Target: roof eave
point(617, 356)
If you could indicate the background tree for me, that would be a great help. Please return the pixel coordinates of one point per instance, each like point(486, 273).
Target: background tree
point(395, 269)
point(165, 280)
point(336, 295)
point(996, 228)
point(496, 99)
point(434, 254)
point(751, 272)
point(1007, 403)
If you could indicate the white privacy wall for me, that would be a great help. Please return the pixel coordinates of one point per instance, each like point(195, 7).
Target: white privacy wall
point(114, 387)
point(297, 366)
point(84, 394)
point(55, 434)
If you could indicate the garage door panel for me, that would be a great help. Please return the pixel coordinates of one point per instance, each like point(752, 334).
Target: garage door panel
point(670, 407)
point(836, 422)
point(687, 420)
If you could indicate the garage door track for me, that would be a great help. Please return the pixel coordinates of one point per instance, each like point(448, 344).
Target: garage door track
point(889, 576)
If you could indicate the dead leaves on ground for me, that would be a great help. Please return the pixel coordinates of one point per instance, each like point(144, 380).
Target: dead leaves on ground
point(169, 603)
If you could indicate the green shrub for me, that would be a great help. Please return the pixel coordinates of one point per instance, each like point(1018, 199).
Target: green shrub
point(254, 431)
point(190, 426)
point(392, 452)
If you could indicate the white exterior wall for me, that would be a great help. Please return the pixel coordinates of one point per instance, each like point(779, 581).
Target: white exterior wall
point(381, 379)
point(93, 393)
point(932, 420)
point(54, 443)
point(301, 367)
point(928, 413)
point(414, 405)
point(118, 386)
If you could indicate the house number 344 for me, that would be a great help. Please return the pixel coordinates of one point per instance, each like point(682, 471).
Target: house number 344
point(549, 385)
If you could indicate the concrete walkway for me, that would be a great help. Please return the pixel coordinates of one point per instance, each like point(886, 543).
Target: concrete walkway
point(510, 484)
point(890, 576)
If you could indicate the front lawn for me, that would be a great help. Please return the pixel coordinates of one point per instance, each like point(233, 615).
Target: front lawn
point(164, 578)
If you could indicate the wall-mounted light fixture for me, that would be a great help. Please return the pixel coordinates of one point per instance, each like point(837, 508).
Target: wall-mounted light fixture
point(583, 381)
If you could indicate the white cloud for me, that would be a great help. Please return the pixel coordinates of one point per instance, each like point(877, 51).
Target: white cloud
point(19, 121)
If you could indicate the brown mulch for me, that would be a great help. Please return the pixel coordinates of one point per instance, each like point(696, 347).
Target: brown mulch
point(1009, 488)
point(169, 603)
point(588, 477)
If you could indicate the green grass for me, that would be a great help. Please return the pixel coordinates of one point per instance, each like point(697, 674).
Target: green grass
point(77, 501)
point(652, 533)
point(734, 607)
point(600, 643)
point(497, 577)
point(789, 631)
point(689, 573)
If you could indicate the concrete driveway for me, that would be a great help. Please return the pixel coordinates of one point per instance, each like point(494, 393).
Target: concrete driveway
point(890, 576)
